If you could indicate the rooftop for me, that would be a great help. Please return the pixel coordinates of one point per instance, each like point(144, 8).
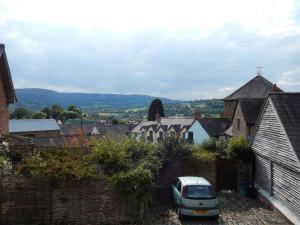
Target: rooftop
point(29, 125)
point(258, 87)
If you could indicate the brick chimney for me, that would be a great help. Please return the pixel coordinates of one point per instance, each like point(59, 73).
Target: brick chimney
point(197, 114)
point(275, 88)
point(157, 117)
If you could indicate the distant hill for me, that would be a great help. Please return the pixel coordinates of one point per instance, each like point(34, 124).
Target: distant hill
point(35, 99)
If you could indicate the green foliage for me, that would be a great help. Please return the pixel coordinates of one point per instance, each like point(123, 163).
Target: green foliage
point(209, 144)
point(156, 106)
point(20, 113)
point(239, 150)
point(58, 166)
point(66, 115)
point(39, 115)
point(47, 111)
point(5, 163)
point(56, 111)
point(115, 121)
point(201, 154)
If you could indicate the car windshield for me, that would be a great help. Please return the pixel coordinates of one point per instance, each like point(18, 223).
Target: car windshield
point(200, 191)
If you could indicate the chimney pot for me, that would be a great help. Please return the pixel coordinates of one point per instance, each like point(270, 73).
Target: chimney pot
point(197, 114)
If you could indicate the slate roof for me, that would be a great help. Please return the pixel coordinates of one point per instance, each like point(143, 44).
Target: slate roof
point(114, 129)
point(6, 76)
point(73, 129)
point(251, 109)
point(29, 125)
point(258, 87)
point(165, 123)
point(287, 106)
point(214, 126)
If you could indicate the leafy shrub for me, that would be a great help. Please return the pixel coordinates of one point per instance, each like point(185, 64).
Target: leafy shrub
point(5, 163)
point(239, 150)
point(56, 166)
point(221, 145)
point(209, 144)
point(201, 154)
point(174, 147)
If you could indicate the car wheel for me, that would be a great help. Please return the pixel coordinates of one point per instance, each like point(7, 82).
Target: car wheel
point(179, 215)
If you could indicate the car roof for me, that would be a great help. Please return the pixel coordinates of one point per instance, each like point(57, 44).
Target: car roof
point(189, 180)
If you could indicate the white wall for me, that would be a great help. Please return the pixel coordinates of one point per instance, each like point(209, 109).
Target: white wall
point(199, 133)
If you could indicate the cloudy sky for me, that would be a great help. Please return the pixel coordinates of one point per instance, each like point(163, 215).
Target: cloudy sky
point(183, 49)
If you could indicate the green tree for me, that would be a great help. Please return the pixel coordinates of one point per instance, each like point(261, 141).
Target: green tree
point(47, 111)
point(20, 113)
point(115, 121)
point(73, 108)
point(39, 115)
point(155, 106)
point(66, 115)
point(56, 111)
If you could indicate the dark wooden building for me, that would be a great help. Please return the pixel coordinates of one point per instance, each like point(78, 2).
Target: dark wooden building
point(276, 143)
point(7, 91)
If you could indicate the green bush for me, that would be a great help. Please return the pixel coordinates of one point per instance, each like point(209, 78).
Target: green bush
point(209, 144)
point(56, 166)
point(239, 150)
point(201, 154)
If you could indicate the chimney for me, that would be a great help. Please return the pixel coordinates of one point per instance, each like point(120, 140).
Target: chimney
point(275, 88)
point(197, 114)
point(157, 117)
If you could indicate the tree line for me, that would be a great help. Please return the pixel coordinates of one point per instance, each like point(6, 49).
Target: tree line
point(56, 112)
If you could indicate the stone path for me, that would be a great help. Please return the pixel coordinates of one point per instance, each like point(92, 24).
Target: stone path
point(234, 211)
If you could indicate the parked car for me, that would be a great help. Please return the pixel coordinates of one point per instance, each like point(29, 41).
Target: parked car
point(194, 196)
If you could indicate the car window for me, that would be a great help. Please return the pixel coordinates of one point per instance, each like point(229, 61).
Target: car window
point(179, 186)
point(199, 191)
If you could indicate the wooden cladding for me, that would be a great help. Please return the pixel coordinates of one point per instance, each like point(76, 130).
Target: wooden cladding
point(263, 173)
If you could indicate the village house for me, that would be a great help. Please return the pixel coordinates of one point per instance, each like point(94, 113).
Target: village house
point(7, 91)
point(192, 130)
point(243, 106)
point(276, 144)
point(34, 127)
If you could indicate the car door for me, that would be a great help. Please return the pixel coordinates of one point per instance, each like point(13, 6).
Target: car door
point(177, 192)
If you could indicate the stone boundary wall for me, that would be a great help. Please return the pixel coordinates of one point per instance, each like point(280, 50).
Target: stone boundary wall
point(27, 201)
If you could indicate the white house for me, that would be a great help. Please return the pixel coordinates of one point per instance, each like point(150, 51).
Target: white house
point(192, 130)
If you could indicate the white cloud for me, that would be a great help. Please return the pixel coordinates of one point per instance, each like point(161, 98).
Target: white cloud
point(266, 17)
point(290, 79)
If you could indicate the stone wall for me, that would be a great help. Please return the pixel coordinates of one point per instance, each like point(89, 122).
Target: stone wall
point(26, 201)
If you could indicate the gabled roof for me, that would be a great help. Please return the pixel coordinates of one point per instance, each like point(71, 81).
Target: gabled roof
point(73, 129)
point(114, 129)
point(30, 125)
point(258, 87)
point(167, 122)
point(214, 126)
point(287, 106)
point(6, 76)
point(251, 109)
point(176, 127)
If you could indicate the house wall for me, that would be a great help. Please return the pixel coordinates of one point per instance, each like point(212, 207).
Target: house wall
point(51, 133)
point(277, 169)
point(229, 107)
point(199, 134)
point(4, 113)
point(236, 131)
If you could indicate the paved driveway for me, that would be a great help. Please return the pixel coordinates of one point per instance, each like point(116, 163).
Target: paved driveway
point(234, 211)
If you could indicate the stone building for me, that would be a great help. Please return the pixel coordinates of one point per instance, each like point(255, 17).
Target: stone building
point(7, 91)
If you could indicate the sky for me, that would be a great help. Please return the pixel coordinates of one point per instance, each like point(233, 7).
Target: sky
point(180, 49)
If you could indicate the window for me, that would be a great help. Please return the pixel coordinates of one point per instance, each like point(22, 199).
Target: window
point(161, 134)
point(150, 133)
point(199, 192)
point(238, 124)
point(190, 135)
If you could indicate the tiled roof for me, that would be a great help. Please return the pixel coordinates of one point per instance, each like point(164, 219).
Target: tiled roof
point(251, 109)
point(29, 125)
point(114, 129)
point(258, 87)
point(165, 123)
point(287, 106)
point(214, 126)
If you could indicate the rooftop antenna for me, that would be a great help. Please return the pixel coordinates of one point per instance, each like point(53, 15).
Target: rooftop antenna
point(258, 70)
